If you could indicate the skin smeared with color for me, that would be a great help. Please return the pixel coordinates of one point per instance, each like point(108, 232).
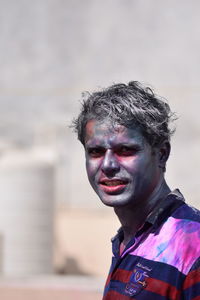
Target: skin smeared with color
point(126, 135)
point(125, 171)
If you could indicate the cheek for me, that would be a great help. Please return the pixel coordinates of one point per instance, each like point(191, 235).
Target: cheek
point(92, 166)
point(136, 166)
point(129, 163)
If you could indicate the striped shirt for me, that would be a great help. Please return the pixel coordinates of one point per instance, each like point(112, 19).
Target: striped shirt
point(162, 261)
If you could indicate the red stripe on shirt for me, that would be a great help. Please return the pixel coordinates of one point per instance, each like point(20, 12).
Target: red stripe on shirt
point(162, 288)
point(192, 278)
point(121, 275)
point(196, 298)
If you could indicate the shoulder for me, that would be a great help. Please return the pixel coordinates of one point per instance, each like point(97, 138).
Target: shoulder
point(187, 212)
point(176, 241)
point(186, 221)
point(184, 225)
point(182, 235)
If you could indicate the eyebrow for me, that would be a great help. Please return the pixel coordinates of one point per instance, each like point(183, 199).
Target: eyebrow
point(117, 145)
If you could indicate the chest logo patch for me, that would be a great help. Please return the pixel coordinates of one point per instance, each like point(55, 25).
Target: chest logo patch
point(137, 281)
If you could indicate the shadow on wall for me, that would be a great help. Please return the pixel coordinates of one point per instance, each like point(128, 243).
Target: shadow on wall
point(71, 267)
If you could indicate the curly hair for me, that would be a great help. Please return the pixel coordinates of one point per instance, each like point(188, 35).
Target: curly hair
point(131, 105)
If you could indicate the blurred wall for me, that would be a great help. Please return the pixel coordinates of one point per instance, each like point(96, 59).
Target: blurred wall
point(52, 50)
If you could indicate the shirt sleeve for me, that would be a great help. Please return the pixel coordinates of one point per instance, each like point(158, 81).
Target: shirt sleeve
point(191, 286)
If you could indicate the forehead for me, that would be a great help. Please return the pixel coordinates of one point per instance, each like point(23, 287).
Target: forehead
point(99, 131)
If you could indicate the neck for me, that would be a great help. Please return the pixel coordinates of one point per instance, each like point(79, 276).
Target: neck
point(132, 217)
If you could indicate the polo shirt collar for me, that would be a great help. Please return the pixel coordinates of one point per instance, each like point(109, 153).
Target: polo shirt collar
point(161, 212)
point(165, 208)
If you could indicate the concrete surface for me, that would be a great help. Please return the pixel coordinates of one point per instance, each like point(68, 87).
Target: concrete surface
point(52, 288)
point(83, 241)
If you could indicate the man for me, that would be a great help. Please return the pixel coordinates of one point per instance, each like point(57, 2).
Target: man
point(125, 132)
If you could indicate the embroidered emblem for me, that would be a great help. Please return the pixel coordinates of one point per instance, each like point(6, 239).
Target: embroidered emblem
point(137, 282)
point(144, 267)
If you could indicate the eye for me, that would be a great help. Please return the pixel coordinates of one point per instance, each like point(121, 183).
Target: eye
point(95, 152)
point(126, 151)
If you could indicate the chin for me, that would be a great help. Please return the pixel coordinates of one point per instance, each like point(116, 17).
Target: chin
point(113, 201)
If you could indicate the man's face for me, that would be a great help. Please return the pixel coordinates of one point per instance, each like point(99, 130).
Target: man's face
point(121, 166)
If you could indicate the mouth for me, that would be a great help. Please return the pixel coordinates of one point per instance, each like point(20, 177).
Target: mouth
point(113, 186)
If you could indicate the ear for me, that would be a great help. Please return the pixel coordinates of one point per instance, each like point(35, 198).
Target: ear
point(163, 154)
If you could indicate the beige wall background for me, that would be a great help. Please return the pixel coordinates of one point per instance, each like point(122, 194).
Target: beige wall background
point(52, 51)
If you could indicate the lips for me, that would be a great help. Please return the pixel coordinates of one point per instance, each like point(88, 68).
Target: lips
point(113, 186)
point(113, 182)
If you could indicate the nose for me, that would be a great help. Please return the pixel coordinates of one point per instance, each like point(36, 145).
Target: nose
point(110, 165)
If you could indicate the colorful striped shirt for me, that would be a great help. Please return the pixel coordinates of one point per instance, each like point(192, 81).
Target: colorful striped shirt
point(162, 261)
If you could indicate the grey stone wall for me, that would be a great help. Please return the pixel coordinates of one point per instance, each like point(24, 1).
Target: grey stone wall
point(52, 50)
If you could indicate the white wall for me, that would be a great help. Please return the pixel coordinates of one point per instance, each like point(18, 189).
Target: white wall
point(52, 50)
